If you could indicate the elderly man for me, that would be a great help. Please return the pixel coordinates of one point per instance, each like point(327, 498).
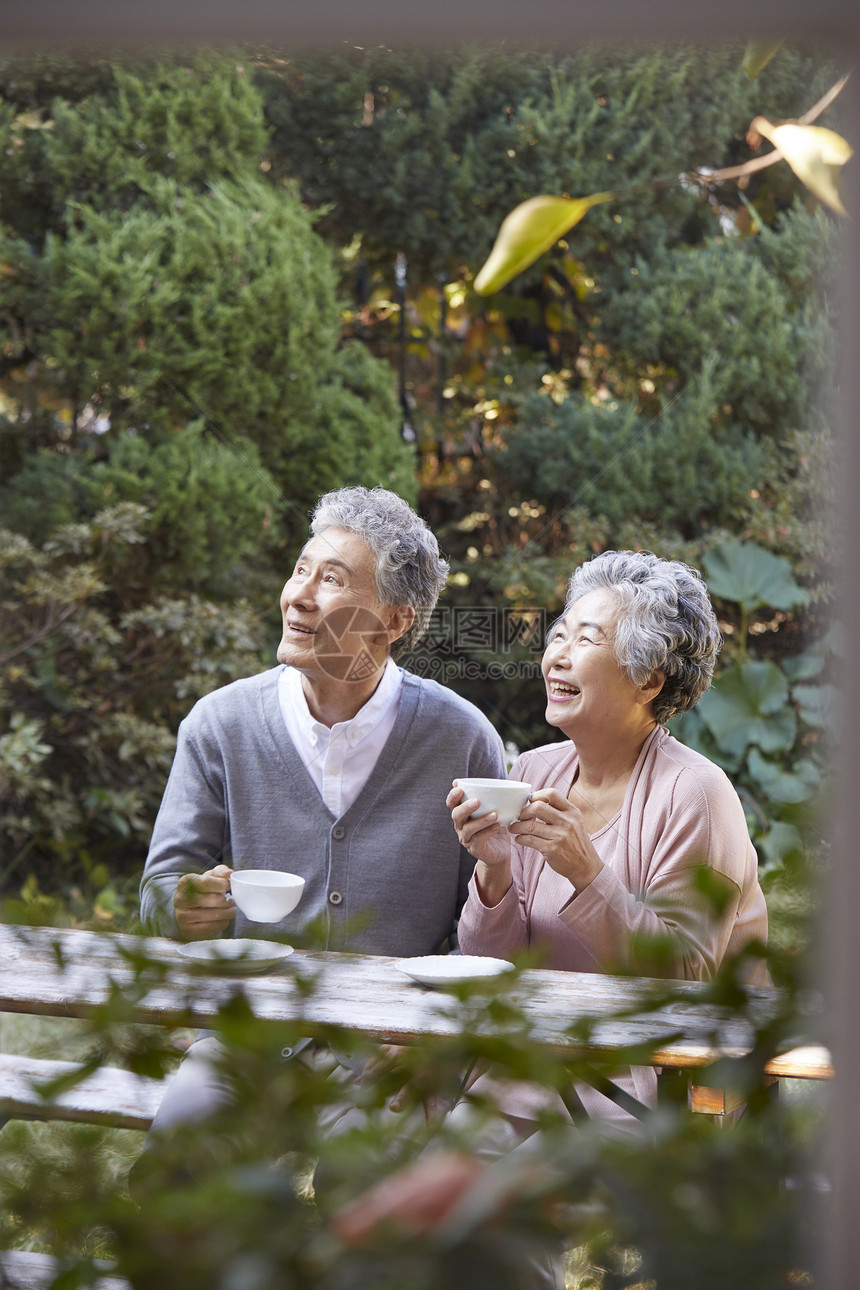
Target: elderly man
point(334, 765)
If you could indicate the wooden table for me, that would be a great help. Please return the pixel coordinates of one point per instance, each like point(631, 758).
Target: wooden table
point(68, 973)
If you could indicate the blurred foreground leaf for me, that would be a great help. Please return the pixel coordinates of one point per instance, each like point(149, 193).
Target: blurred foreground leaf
point(758, 54)
point(530, 229)
point(815, 155)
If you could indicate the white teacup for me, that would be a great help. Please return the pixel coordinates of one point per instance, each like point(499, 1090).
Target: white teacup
point(506, 797)
point(265, 895)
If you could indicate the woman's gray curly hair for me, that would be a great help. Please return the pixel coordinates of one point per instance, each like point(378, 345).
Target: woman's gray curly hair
point(666, 623)
point(409, 568)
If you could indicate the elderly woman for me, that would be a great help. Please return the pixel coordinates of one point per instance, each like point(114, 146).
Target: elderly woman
point(605, 857)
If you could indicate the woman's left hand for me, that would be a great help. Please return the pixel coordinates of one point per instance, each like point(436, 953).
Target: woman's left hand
point(555, 827)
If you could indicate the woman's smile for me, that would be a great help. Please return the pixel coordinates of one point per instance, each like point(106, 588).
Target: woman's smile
point(561, 691)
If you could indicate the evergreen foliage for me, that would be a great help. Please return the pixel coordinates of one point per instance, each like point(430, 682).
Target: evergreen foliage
point(716, 303)
point(162, 279)
point(101, 133)
point(208, 510)
point(424, 154)
point(679, 471)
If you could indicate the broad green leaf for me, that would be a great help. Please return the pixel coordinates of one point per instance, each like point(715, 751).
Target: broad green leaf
point(758, 54)
point(795, 785)
point(530, 229)
point(802, 667)
point(819, 705)
point(749, 705)
point(815, 155)
point(783, 840)
point(689, 729)
point(751, 576)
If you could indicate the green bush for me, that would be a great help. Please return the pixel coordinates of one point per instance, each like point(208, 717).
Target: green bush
point(684, 470)
point(171, 282)
point(209, 506)
point(92, 688)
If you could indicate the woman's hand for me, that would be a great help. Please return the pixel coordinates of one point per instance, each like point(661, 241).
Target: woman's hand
point(554, 827)
point(203, 904)
point(487, 841)
point(415, 1200)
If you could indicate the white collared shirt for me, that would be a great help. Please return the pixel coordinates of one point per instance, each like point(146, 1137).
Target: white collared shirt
point(340, 760)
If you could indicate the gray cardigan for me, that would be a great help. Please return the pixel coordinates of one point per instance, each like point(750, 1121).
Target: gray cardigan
point(387, 877)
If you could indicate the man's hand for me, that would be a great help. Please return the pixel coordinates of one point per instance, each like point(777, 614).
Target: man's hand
point(387, 1059)
point(203, 904)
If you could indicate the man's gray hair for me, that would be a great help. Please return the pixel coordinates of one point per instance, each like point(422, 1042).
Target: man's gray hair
point(666, 623)
point(409, 568)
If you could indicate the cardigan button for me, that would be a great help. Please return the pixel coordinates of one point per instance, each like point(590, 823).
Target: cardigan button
point(338, 831)
point(335, 898)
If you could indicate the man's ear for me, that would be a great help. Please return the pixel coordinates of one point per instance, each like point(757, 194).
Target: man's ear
point(400, 619)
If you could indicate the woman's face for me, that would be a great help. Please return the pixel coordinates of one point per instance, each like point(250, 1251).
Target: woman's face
point(587, 690)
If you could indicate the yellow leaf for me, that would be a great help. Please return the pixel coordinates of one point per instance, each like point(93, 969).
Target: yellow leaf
point(30, 121)
point(758, 54)
point(530, 229)
point(815, 155)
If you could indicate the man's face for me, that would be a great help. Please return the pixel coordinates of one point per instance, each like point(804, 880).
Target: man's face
point(335, 627)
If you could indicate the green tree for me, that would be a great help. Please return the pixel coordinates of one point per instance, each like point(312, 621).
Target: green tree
point(162, 282)
point(454, 141)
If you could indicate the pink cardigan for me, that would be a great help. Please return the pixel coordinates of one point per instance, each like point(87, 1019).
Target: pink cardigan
point(680, 812)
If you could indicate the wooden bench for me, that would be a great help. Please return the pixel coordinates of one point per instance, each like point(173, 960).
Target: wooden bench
point(726, 1105)
point(72, 973)
point(119, 1099)
point(109, 1096)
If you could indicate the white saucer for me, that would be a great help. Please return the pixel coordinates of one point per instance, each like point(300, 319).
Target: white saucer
point(236, 955)
point(443, 969)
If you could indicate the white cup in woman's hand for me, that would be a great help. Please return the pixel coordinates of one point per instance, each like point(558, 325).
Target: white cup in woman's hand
point(506, 797)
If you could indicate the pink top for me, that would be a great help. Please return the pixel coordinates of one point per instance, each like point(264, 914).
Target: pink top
point(680, 813)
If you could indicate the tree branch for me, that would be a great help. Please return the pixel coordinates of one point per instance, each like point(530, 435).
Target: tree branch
point(49, 626)
point(771, 158)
